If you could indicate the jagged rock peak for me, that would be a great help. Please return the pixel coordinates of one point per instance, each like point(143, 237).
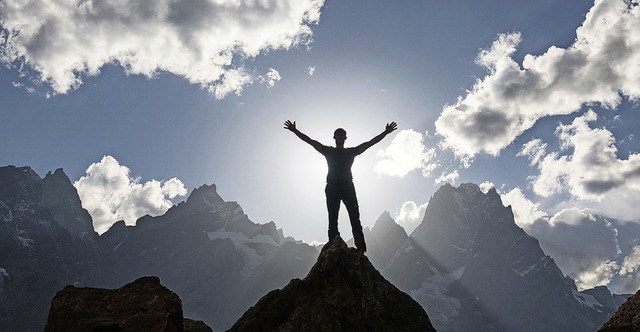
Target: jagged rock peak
point(386, 223)
point(61, 197)
point(59, 172)
point(205, 194)
point(385, 217)
point(19, 184)
point(342, 292)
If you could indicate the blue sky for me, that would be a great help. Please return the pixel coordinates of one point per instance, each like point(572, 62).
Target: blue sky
point(140, 103)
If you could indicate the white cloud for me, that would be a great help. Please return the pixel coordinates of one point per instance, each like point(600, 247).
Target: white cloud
point(405, 154)
point(486, 186)
point(525, 212)
point(271, 78)
point(534, 150)
point(591, 171)
point(311, 70)
point(451, 177)
point(204, 41)
point(411, 215)
point(110, 194)
point(630, 270)
point(583, 244)
point(600, 274)
point(601, 65)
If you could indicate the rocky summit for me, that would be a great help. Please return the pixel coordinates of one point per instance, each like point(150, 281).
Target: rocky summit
point(142, 305)
point(342, 292)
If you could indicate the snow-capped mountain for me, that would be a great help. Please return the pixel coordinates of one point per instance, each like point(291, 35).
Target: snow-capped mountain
point(206, 249)
point(474, 269)
point(210, 253)
point(467, 264)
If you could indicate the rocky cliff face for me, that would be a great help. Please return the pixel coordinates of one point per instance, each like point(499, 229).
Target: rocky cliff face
point(61, 197)
point(474, 269)
point(342, 292)
point(626, 319)
point(38, 256)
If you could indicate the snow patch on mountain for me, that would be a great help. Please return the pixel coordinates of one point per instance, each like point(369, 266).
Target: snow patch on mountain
point(587, 300)
point(523, 271)
point(433, 296)
point(251, 258)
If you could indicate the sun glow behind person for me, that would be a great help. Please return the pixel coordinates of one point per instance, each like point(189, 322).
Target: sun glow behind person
point(359, 173)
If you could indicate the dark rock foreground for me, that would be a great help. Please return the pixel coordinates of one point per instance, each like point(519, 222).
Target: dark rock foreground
point(626, 319)
point(143, 305)
point(342, 292)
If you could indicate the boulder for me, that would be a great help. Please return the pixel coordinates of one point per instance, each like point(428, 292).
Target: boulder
point(142, 305)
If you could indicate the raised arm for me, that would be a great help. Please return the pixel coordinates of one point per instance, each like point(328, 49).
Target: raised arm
point(292, 127)
point(390, 127)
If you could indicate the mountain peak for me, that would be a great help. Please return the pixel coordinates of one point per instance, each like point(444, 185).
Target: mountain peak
point(206, 194)
point(342, 292)
point(384, 220)
point(62, 199)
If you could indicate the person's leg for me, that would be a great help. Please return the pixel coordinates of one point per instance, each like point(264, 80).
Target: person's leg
point(351, 202)
point(333, 206)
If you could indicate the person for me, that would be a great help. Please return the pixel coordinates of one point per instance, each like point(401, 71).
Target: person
point(340, 186)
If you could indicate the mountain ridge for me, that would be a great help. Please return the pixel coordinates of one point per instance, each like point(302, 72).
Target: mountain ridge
point(220, 262)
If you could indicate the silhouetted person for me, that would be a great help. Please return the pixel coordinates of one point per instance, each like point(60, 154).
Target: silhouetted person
point(339, 179)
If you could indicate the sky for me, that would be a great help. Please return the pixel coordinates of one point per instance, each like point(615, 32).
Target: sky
point(140, 102)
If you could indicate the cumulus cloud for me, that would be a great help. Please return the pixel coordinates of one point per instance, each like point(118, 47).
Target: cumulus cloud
point(451, 177)
point(405, 154)
point(110, 194)
point(600, 66)
point(486, 186)
point(589, 170)
point(525, 212)
point(585, 245)
point(630, 270)
point(271, 78)
point(534, 150)
point(203, 41)
point(411, 215)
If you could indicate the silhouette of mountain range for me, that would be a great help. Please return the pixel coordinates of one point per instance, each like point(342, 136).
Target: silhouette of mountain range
point(468, 264)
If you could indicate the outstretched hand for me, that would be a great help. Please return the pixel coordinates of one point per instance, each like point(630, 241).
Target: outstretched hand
point(390, 127)
point(290, 125)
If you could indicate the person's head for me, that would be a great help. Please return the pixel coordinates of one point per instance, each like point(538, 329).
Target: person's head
point(340, 135)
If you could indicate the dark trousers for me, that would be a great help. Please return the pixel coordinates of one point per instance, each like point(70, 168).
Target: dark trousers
point(344, 191)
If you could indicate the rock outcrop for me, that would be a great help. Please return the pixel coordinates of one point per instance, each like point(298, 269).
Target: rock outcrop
point(626, 319)
point(142, 305)
point(342, 292)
